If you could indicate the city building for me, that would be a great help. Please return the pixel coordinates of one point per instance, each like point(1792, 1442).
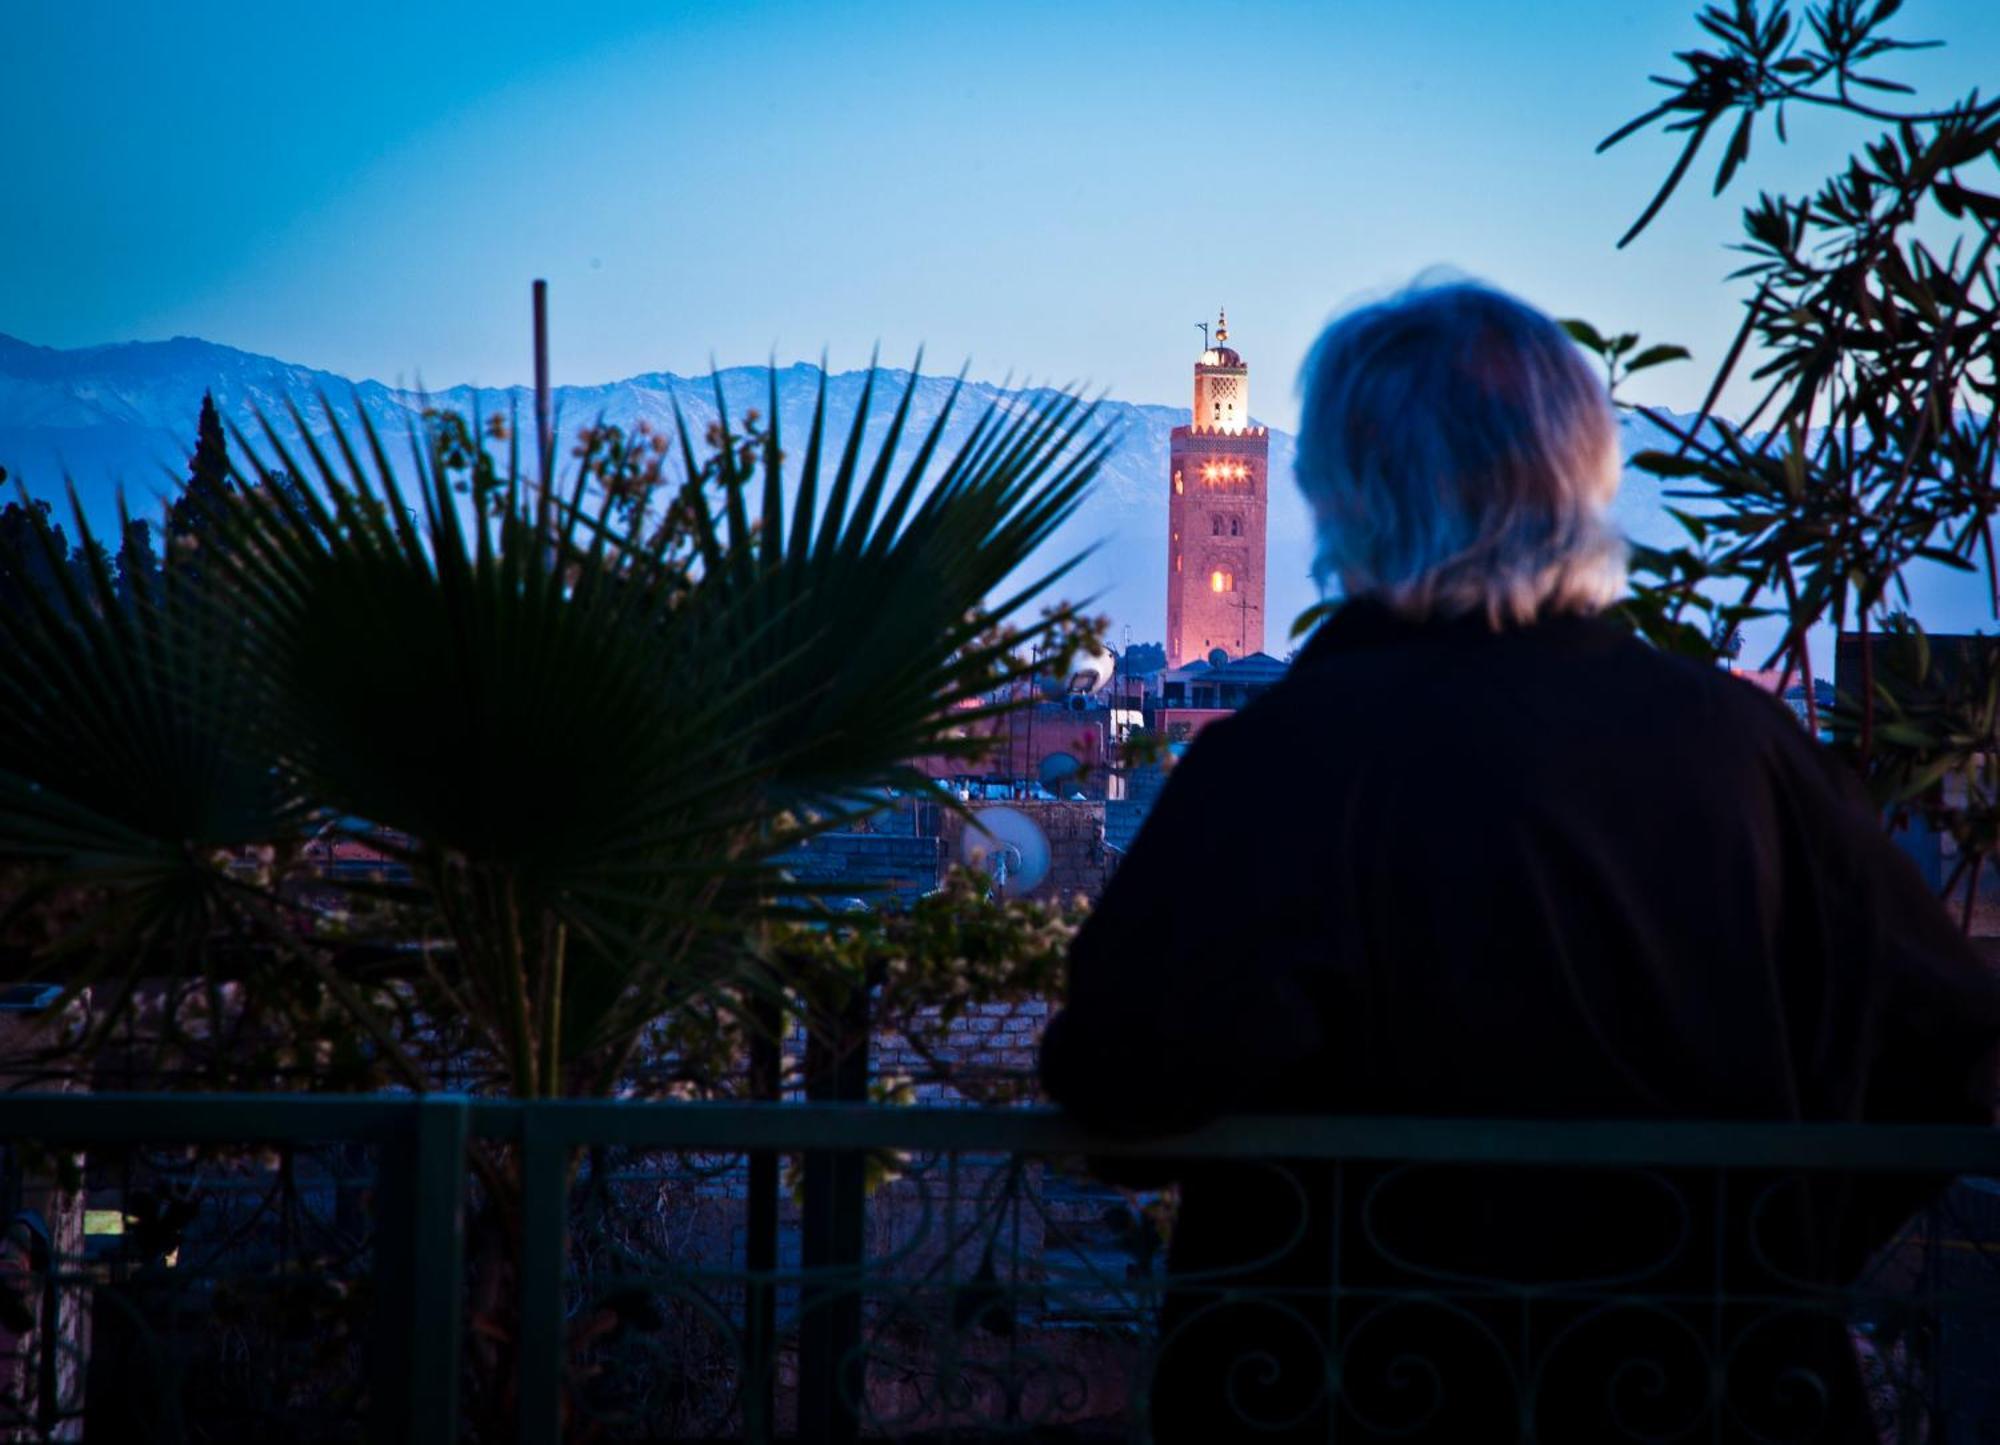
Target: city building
point(1035, 746)
point(875, 871)
point(1193, 696)
point(1219, 466)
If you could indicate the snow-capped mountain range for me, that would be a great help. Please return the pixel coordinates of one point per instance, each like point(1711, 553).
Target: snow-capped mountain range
point(123, 416)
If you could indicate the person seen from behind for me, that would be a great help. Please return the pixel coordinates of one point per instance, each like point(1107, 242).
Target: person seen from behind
point(1483, 853)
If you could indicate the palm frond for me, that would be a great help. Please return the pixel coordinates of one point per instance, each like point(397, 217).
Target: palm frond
point(900, 572)
point(583, 742)
point(130, 773)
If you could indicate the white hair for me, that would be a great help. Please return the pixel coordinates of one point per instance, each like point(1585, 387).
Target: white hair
point(1460, 457)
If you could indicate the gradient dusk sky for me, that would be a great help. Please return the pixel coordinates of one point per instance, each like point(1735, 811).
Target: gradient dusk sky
point(1055, 191)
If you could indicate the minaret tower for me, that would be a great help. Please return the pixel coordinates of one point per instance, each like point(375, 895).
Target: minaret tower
point(1215, 514)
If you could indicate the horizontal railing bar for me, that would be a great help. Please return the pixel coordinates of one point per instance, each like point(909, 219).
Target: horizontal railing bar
point(726, 1128)
point(116, 1118)
point(732, 1127)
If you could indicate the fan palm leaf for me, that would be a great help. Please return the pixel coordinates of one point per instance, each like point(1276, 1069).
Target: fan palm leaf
point(554, 735)
point(860, 617)
point(127, 770)
point(583, 742)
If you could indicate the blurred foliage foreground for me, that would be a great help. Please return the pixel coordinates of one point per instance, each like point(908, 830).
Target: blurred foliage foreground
point(444, 776)
point(1871, 333)
point(433, 775)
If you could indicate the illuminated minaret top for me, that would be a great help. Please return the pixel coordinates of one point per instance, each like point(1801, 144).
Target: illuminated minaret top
point(1216, 513)
point(1221, 384)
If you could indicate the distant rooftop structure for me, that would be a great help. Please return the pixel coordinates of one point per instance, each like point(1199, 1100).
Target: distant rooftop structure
point(1235, 683)
point(864, 870)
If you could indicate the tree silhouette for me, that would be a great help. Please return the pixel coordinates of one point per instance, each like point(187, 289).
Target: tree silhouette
point(27, 563)
point(195, 511)
point(138, 560)
point(1143, 657)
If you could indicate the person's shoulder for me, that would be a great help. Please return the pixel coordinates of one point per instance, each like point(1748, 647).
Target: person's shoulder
point(1722, 693)
point(1739, 723)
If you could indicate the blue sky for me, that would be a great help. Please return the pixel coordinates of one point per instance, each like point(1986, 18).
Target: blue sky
point(1055, 191)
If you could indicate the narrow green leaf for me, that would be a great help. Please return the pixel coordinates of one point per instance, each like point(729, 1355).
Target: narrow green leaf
point(1655, 355)
point(1665, 464)
point(1584, 334)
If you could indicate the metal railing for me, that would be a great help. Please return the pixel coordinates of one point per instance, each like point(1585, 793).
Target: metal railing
point(934, 1271)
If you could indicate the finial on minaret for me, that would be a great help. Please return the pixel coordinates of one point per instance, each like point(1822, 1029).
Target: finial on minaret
point(1222, 324)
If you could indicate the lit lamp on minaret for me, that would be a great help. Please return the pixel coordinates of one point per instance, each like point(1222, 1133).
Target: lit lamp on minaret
point(1215, 514)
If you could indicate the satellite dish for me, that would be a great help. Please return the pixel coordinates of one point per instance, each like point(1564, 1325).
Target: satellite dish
point(1009, 846)
point(1056, 769)
point(1093, 670)
point(1218, 657)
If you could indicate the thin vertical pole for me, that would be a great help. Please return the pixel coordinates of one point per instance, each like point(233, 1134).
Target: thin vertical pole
point(544, 457)
point(420, 1263)
point(832, 1373)
point(760, 1241)
point(544, 1248)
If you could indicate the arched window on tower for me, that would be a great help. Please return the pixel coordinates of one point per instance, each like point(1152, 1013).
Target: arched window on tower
point(1216, 527)
point(1235, 526)
point(1222, 580)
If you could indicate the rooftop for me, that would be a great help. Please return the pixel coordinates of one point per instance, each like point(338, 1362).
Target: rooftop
point(1259, 669)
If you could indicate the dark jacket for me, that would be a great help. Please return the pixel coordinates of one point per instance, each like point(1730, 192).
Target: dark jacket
point(1543, 872)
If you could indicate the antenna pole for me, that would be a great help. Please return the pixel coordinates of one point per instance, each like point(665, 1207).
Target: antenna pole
point(1034, 706)
point(542, 410)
